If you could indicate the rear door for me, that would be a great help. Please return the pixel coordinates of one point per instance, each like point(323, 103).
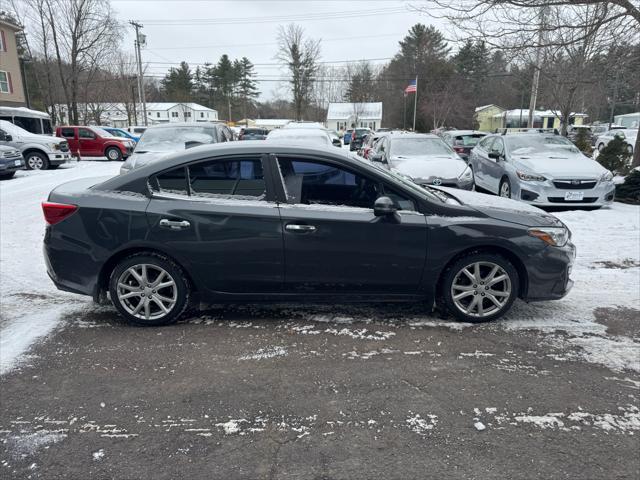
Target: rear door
point(333, 241)
point(218, 217)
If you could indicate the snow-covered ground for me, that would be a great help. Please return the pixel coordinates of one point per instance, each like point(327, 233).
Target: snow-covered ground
point(606, 274)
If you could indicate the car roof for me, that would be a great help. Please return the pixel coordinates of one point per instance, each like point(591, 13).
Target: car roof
point(465, 132)
point(182, 124)
point(202, 152)
point(401, 135)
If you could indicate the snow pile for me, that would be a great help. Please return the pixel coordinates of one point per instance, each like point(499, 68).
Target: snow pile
point(31, 306)
point(264, 353)
point(420, 425)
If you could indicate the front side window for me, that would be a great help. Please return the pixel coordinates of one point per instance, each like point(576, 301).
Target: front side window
point(84, 133)
point(172, 181)
point(497, 147)
point(311, 182)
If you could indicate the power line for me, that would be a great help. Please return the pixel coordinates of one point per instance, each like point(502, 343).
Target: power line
point(276, 19)
point(277, 64)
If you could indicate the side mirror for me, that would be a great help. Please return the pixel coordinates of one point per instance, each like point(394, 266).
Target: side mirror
point(5, 137)
point(496, 156)
point(375, 157)
point(336, 142)
point(383, 207)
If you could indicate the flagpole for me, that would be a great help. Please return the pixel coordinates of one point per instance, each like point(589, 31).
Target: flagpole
point(415, 105)
point(404, 111)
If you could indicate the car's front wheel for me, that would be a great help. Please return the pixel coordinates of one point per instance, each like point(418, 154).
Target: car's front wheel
point(113, 154)
point(36, 161)
point(480, 287)
point(505, 188)
point(149, 289)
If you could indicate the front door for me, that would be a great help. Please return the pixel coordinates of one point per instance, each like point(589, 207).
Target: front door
point(220, 223)
point(89, 143)
point(333, 241)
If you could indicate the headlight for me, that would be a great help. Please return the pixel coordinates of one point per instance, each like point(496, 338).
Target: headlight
point(54, 146)
point(606, 177)
point(467, 175)
point(530, 177)
point(554, 236)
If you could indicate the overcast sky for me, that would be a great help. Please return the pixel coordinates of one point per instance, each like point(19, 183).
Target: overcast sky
point(198, 31)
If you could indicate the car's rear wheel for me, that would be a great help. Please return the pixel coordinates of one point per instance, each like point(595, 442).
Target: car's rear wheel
point(149, 289)
point(113, 154)
point(480, 287)
point(505, 188)
point(36, 161)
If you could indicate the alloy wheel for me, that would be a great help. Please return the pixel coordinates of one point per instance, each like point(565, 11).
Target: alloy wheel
point(112, 154)
point(35, 162)
point(147, 292)
point(505, 190)
point(481, 289)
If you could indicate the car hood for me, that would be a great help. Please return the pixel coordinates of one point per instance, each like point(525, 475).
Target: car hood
point(35, 138)
point(560, 164)
point(503, 209)
point(429, 166)
point(137, 160)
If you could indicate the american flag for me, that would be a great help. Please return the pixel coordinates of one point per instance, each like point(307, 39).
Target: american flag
point(411, 88)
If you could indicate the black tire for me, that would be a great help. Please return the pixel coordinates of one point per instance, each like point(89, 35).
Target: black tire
point(600, 147)
point(7, 176)
point(36, 161)
point(113, 154)
point(456, 268)
point(506, 184)
point(182, 286)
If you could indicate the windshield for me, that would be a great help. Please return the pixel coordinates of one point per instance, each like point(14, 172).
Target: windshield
point(419, 189)
point(102, 132)
point(13, 129)
point(410, 147)
point(467, 140)
point(526, 144)
point(173, 139)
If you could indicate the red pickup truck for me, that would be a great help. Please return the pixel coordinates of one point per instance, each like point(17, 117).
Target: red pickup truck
point(95, 142)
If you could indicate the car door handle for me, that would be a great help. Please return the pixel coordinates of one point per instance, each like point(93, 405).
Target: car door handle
point(294, 227)
point(174, 224)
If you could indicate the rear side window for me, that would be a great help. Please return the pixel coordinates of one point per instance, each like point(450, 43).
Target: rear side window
point(67, 132)
point(237, 178)
point(172, 181)
point(84, 133)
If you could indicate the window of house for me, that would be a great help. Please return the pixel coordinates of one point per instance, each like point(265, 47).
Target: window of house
point(4, 82)
point(187, 114)
point(157, 114)
point(239, 178)
point(3, 45)
point(201, 114)
point(174, 114)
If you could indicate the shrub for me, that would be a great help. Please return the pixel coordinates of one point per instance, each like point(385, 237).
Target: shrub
point(615, 157)
point(630, 189)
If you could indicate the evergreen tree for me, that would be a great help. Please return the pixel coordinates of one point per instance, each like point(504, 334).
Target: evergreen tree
point(630, 189)
point(178, 83)
point(226, 79)
point(246, 84)
point(615, 156)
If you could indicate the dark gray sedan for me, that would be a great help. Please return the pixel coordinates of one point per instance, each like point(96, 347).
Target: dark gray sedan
point(268, 222)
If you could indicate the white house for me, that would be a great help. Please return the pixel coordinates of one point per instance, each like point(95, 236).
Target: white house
point(629, 120)
point(115, 114)
point(271, 123)
point(341, 116)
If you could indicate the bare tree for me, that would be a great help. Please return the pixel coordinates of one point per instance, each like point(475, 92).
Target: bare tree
point(83, 33)
point(300, 55)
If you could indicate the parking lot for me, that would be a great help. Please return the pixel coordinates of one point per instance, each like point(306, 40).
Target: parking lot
point(290, 391)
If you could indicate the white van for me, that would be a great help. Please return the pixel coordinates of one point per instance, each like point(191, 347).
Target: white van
point(32, 121)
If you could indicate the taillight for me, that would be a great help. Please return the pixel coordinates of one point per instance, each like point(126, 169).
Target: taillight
point(56, 212)
point(353, 135)
point(459, 149)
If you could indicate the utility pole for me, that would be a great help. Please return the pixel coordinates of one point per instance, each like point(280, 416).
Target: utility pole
point(137, 41)
point(614, 99)
point(536, 71)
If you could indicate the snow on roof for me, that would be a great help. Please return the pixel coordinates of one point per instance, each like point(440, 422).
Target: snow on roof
point(280, 122)
point(23, 111)
point(483, 107)
point(342, 111)
point(538, 113)
point(634, 114)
